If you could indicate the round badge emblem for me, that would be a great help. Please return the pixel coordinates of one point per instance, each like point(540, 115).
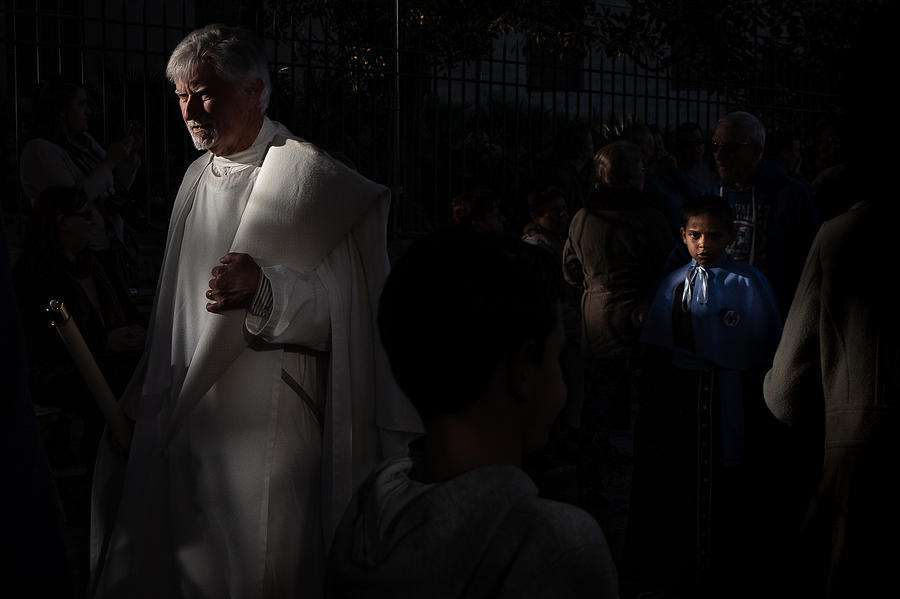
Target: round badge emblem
point(730, 318)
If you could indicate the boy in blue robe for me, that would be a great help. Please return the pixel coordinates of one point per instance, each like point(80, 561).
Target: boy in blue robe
point(703, 439)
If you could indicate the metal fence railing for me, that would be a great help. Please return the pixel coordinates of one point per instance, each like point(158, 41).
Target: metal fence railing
point(411, 120)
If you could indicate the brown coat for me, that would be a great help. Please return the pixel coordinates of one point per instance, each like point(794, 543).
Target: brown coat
point(616, 249)
point(838, 360)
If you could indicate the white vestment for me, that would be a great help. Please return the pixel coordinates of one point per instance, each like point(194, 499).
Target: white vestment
point(252, 434)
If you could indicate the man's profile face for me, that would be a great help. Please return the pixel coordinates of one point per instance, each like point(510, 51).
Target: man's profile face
point(690, 147)
point(218, 113)
point(737, 158)
point(74, 118)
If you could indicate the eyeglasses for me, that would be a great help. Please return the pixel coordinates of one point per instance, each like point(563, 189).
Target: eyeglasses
point(728, 147)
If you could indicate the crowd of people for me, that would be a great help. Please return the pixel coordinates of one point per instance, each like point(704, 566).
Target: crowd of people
point(686, 266)
point(310, 421)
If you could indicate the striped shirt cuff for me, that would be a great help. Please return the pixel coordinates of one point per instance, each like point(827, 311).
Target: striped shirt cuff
point(261, 305)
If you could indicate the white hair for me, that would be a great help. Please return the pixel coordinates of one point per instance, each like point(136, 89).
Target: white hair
point(751, 126)
point(234, 54)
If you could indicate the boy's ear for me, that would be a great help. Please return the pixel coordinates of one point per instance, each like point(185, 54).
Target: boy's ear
point(683, 239)
point(519, 369)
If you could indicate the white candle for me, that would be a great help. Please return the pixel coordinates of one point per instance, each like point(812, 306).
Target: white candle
point(87, 366)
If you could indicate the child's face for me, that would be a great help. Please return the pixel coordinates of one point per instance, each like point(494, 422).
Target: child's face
point(706, 237)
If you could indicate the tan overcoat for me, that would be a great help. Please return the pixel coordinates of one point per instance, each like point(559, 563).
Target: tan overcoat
point(838, 360)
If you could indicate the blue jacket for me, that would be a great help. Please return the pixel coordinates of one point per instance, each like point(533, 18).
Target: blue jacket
point(738, 327)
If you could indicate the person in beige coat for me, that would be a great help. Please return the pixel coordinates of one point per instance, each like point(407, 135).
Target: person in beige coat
point(615, 252)
point(837, 369)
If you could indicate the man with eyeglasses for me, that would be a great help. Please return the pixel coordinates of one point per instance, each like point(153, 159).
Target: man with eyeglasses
point(775, 216)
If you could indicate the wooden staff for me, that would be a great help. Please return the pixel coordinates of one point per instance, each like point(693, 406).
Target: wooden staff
point(61, 319)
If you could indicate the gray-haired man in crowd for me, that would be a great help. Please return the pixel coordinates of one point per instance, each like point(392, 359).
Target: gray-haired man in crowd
point(775, 216)
point(263, 399)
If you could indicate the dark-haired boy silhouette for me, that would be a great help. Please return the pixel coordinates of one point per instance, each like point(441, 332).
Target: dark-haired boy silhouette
point(472, 328)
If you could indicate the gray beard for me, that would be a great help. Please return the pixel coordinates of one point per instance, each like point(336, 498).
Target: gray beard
point(204, 140)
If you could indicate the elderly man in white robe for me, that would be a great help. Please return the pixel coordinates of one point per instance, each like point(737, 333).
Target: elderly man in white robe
point(264, 398)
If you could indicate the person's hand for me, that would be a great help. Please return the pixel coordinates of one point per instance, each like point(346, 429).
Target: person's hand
point(234, 283)
point(127, 338)
point(119, 151)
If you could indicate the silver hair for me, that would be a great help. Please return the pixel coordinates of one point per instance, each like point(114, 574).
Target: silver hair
point(234, 54)
point(752, 126)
